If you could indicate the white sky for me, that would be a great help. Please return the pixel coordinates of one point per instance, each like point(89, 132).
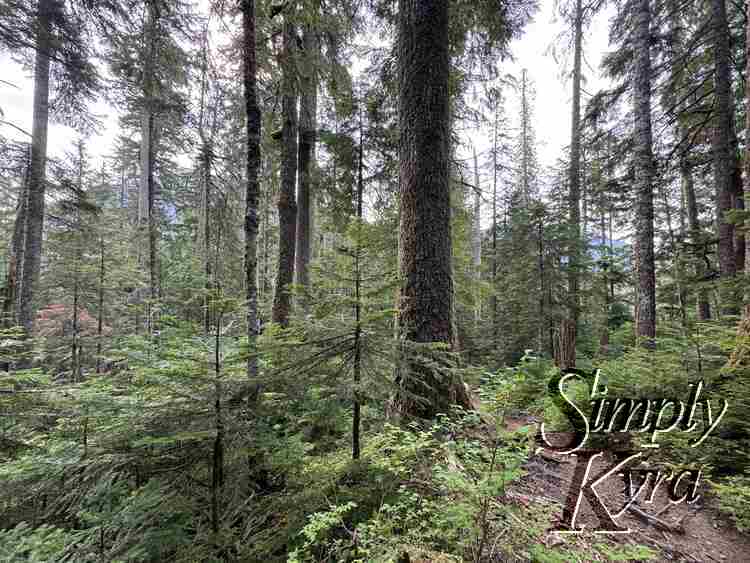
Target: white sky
point(552, 108)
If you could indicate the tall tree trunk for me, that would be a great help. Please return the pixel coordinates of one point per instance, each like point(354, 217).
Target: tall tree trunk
point(524, 140)
point(205, 158)
point(425, 231)
point(746, 159)
point(265, 286)
point(738, 197)
point(15, 254)
point(604, 337)
point(574, 179)
point(741, 354)
point(146, 201)
point(100, 309)
point(75, 356)
point(358, 298)
point(287, 205)
point(493, 299)
point(723, 160)
point(32, 252)
point(696, 238)
point(476, 240)
point(252, 112)
point(306, 172)
point(644, 173)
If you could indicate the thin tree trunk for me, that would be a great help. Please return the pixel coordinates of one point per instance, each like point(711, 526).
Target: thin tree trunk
point(738, 198)
point(358, 300)
point(147, 216)
point(574, 177)
point(217, 470)
point(524, 140)
point(425, 231)
point(696, 238)
point(644, 172)
point(252, 112)
point(476, 240)
point(76, 351)
point(542, 293)
point(306, 172)
point(604, 338)
point(15, 258)
point(493, 299)
point(287, 205)
point(74, 360)
point(32, 253)
point(266, 286)
point(205, 157)
point(100, 311)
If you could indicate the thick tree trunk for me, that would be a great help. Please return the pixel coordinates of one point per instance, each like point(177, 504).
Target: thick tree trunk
point(32, 253)
point(574, 180)
point(306, 172)
point(746, 159)
point(644, 173)
point(287, 205)
point(252, 111)
point(723, 161)
point(740, 358)
point(425, 232)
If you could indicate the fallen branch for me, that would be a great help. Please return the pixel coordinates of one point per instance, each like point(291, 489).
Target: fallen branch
point(658, 523)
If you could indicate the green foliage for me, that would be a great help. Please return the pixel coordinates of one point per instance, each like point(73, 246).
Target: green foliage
point(734, 499)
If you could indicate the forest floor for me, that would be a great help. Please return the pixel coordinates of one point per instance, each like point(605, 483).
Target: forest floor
point(677, 532)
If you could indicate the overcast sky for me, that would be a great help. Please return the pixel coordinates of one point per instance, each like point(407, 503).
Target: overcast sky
point(552, 109)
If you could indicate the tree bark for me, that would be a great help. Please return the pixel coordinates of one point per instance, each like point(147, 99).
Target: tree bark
point(723, 161)
point(357, 364)
point(15, 255)
point(205, 162)
point(691, 205)
point(476, 240)
point(493, 299)
point(147, 197)
point(746, 159)
point(253, 124)
point(100, 311)
point(286, 204)
point(424, 230)
point(644, 173)
point(574, 180)
point(740, 357)
point(306, 165)
point(32, 253)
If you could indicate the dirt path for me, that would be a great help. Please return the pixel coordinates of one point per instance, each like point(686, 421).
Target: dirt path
point(679, 532)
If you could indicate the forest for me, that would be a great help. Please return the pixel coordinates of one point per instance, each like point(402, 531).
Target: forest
point(347, 281)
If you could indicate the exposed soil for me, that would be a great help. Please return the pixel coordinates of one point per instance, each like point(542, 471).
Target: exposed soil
point(678, 532)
